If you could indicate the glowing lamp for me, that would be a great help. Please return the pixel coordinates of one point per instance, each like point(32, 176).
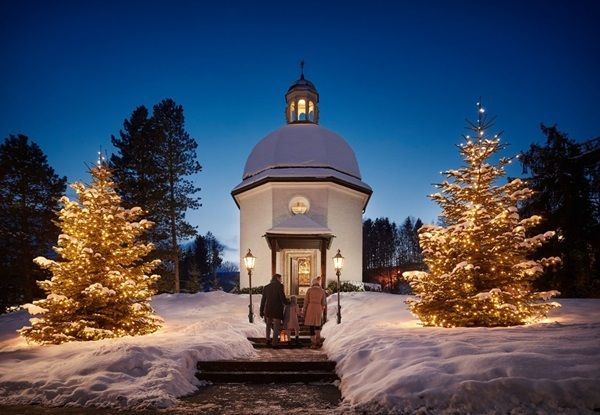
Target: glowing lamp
point(338, 264)
point(249, 261)
point(338, 261)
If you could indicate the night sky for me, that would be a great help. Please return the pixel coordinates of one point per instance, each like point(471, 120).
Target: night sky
point(395, 80)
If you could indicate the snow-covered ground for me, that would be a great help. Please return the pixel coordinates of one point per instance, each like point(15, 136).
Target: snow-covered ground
point(136, 372)
point(385, 359)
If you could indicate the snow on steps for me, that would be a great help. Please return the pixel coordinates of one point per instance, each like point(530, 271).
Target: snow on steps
point(280, 365)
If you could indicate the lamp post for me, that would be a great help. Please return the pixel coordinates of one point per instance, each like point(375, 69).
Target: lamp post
point(338, 263)
point(249, 260)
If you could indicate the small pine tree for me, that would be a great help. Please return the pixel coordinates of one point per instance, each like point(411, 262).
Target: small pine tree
point(215, 283)
point(479, 273)
point(101, 285)
point(194, 276)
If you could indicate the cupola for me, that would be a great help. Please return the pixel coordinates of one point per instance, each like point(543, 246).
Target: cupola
point(302, 101)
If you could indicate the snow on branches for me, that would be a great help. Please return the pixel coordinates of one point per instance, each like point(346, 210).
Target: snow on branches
point(479, 271)
point(101, 284)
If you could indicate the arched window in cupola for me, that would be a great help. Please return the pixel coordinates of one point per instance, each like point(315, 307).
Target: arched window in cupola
point(311, 111)
point(301, 110)
point(293, 111)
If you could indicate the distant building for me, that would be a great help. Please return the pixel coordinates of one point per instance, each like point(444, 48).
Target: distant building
point(301, 199)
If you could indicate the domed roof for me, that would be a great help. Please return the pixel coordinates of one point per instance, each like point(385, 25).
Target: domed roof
point(298, 146)
point(303, 84)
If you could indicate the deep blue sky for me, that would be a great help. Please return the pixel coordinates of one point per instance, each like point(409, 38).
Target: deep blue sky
point(396, 79)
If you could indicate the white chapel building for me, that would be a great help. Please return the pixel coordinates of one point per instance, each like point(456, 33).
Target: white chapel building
point(301, 199)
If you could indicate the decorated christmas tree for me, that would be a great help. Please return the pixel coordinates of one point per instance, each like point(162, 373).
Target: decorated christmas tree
point(101, 284)
point(479, 272)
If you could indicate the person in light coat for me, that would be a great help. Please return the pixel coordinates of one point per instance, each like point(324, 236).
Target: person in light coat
point(314, 304)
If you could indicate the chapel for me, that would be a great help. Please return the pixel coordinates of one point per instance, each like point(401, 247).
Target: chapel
point(301, 200)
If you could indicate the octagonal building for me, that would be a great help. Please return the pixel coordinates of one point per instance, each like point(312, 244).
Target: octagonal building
point(301, 199)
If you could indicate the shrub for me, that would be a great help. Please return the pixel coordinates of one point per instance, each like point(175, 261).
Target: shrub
point(345, 286)
point(246, 290)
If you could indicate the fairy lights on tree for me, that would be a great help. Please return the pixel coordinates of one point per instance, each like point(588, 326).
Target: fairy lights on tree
point(479, 273)
point(101, 284)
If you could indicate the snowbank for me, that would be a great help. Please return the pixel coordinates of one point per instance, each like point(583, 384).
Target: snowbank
point(386, 360)
point(134, 372)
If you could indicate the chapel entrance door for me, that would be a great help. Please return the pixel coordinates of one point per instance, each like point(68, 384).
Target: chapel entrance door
point(300, 269)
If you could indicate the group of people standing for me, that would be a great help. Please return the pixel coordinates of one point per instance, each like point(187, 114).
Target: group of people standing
point(277, 310)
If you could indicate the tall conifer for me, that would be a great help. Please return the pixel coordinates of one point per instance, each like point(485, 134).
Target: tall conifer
point(479, 273)
point(29, 192)
point(155, 160)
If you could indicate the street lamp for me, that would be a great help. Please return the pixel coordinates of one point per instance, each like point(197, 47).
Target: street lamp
point(338, 263)
point(249, 260)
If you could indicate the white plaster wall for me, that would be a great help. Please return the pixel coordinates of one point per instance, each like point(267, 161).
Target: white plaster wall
point(331, 205)
point(255, 219)
point(345, 220)
point(316, 193)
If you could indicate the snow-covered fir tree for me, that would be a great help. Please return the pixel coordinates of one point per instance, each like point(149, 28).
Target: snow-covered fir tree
point(101, 283)
point(479, 273)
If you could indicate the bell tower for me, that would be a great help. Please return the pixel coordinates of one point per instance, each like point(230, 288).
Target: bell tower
point(302, 101)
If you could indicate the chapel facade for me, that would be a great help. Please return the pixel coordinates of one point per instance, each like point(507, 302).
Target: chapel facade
point(301, 199)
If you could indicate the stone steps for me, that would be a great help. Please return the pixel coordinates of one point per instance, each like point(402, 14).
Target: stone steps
point(263, 376)
point(274, 366)
point(265, 365)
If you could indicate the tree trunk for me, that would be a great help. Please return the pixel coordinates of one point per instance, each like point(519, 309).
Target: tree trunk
point(174, 246)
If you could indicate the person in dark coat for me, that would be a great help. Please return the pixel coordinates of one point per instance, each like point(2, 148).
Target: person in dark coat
point(271, 307)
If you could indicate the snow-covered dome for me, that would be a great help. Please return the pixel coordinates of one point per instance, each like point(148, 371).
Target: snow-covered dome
point(302, 150)
point(299, 146)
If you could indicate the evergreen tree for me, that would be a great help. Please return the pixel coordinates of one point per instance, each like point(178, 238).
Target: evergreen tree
point(215, 284)
point(135, 171)
point(201, 262)
point(193, 278)
point(380, 251)
point(199, 259)
point(479, 273)
point(156, 157)
point(29, 190)
point(562, 196)
point(177, 159)
point(214, 258)
point(409, 251)
point(101, 285)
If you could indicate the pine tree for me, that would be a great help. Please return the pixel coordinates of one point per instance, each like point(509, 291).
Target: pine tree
point(194, 277)
point(479, 272)
point(178, 161)
point(156, 158)
point(101, 285)
point(29, 190)
point(563, 196)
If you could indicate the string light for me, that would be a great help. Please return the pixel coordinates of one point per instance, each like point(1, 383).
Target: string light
point(479, 271)
point(93, 293)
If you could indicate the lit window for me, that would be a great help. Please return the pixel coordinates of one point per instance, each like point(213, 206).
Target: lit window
point(311, 111)
point(293, 112)
point(302, 110)
point(299, 205)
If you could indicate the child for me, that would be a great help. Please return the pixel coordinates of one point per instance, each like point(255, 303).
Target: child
point(290, 318)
